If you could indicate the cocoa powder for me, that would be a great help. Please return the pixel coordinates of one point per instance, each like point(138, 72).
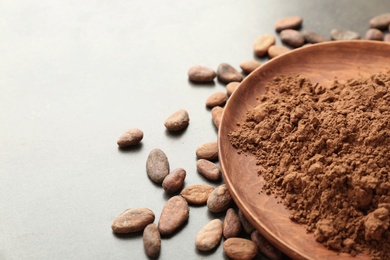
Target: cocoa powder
point(325, 152)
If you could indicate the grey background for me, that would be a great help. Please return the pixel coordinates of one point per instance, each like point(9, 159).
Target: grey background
point(74, 75)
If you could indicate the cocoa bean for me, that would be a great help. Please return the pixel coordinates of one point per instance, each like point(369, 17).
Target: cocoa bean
point(209, 236)
point(130, 138)
point(291, 22)
point(226, 73)
point(249, 66)
point(201, 74)
point(157, 165)
point(177, 121)
point(208, 169)
point(152, 241)
point(292, 38)
point(197, 194)
point(216, 114)
point(174, 181)
point(265, 247)
point(374, 34)
point(339, 34)
point(174, 214)
point(231, 87)
point(220, 199)
point(381, 21)
point(262, 44)
point(231, 224)
point(239, 248)
point(132, 220)
point(208, 151)
point(313, 37)
point(216, 99)
point(248, 227)
point(277, 50)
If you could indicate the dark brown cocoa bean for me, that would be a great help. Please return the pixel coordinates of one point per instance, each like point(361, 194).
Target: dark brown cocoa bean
point(239, 248)
point(226, 73)
point(152, 241)
point(219, 200)
point(262, 44)
point(130, 138)
point(374, 35)
point(265, 247)
point(201, 74)
point(231, 224)
point(292, 37)
point(177, 121)
point(157, 165)
point(208, 151)
point(132, 220)
point(216, 99)
point(291, 22)
point(174, 214)
point(381, 21)
point(174, 181)
point(313, 37)
point(209, 236)
point(197, 194)
point(208, 169)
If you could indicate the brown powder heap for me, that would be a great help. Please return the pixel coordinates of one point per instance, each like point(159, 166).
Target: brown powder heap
point(326, 151)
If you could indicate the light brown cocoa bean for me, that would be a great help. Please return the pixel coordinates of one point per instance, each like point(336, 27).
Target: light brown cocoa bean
point(249, 66)
point(208, 151)
point(277, 50)
point(313, 37)
point(220, 199)
point(265, 247)
point(239, 248)
point(174, 180)
point(201, 74)
point(227, 73)
point(157, 165)
point(209, 236)
point(231, 87)
point(231, 224)
point(381, 21)
point(247, 226)
point(197, 194)
point(216, 115)
point(374, 35)
point(132, 220)
point(152, 241)
point(174, 214)
point(177, 121)
point(291, 22)
point(130, 138)
point(262, 44)
point(339, 34)
point(216, 99)
point(208, 169)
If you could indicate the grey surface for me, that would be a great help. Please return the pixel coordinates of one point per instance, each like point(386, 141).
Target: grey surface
point(74, 75)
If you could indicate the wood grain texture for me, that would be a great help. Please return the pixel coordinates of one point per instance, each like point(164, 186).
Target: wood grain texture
point(320, 63)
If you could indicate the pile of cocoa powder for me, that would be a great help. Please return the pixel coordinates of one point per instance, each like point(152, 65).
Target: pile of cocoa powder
point(325, 151)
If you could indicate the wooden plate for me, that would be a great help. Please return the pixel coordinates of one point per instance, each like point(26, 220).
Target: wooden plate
point(321, 63)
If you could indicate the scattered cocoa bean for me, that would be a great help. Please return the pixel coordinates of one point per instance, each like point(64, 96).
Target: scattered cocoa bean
point(231, 87)
point(291, 22)
point(197, 194)
point(209, 236)
point(216, 99)
point(313, 37)
point(231, 224)
point(174, 181)
point(381, 21)
point(174, 214)
point(132, 220)
point(239, 248)
point(157, 165)
point(208, 169)
point(208, 151)
point(130, 138)
point(201, 74)
point(277, 50)
point(292, 38)
point(152, 241)
point(249, 66)
point(248, 227)
point(262, 44)
point(216, 114)
point(177, 121)
point(386, 38)
point(374, 34)
point(219, 200)
point(338, 34)
point(226, 73)
point(265, 247)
